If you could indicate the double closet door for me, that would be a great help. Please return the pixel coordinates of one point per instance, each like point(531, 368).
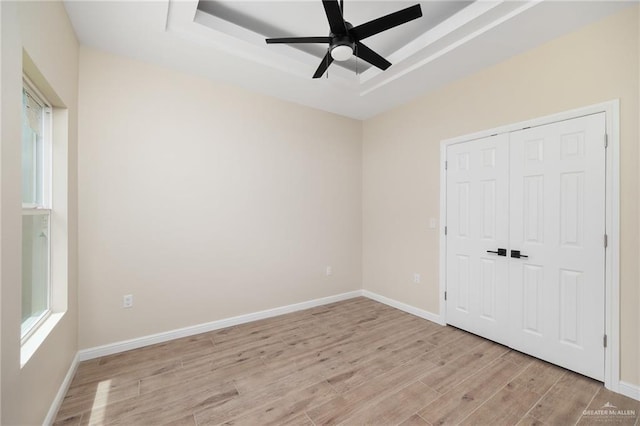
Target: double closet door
point(525, 256)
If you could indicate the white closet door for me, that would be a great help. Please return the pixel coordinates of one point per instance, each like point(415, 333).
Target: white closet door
point(557, 219)
point(477, 223)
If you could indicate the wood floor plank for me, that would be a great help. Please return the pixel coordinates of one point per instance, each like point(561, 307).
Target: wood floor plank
point(341, 336)
point(449, 375)
point(178, 411)
point(188, 420)
point(353, 362)
point(518, 358)
point(213, 370)
point(94, 395)
point(256, 397)
point(359, 373)
point(235, 354)
point(341, 407)
point(529, 420)
point(566, 400)
point(123, 376)
point(162, 351)
point(74, 420)
point(259, 335)
point(255, 329)
point(285, 409)
point(301, 420)
point(415, 420)
point(309, 363)
point(451, 344)
point(383, 342)
point(610, 407)
point(353, 377)
point(463, 399)
point(169, 405)
point(304, 346)
point(336, 355)
point(514, 400)
point(396, 407)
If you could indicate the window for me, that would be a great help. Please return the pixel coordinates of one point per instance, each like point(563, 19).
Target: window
point(36, 209)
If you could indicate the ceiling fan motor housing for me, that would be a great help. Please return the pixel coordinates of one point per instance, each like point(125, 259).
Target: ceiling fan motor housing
point(342, 45)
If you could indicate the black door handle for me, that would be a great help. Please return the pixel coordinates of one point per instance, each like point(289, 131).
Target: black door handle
point(499, 252)
point(516, 254)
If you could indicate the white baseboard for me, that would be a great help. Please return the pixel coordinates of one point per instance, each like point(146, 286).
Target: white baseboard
point(404, 307)
point(126, 345)
point(630, 390)
point(64, 387)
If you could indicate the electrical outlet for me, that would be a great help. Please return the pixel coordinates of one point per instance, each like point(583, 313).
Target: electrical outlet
point(127, 301)
point(328, 270)
point(416, 278)
point(432, 223)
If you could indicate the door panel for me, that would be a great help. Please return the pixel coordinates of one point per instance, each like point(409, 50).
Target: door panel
point(531, 311)
point(477, 191)
point(557, 219)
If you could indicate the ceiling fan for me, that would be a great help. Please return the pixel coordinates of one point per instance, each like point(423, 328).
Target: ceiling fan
point(344, 39)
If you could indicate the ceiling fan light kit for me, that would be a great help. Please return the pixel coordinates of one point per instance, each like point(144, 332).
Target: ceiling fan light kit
point(345, 40)
point(342, 52)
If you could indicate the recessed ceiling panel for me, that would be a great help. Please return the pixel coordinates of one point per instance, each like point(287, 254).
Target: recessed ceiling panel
point(307, 18)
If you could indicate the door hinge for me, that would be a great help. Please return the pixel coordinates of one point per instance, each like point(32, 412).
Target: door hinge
point(446, 165)
point(445, 295)
point(604, 341)
point(606, 240)
point(445, 230)
point(606, 140)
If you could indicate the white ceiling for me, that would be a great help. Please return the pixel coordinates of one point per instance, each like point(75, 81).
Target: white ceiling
point(224, 41)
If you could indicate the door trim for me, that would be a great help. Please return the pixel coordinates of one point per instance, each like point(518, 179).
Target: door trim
point(612, 208)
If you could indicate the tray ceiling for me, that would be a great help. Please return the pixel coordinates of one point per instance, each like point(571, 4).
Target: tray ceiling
point(225, 41)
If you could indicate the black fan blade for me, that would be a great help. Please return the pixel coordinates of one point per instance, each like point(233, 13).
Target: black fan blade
point(299, 40)
point(386, 22)
point(364, 53)
point(326, 61)
point(334, 16)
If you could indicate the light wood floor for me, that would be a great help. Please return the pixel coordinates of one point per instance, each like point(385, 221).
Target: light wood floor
point(352, 362)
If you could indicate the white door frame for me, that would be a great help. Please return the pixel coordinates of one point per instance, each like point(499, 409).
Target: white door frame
point(612, 201)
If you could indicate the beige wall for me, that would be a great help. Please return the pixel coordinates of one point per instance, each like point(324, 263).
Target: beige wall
point(44, 32)
point(401, 152)
point(205, 201)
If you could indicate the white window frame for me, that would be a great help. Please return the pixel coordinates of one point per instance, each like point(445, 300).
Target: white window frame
point(31, 325)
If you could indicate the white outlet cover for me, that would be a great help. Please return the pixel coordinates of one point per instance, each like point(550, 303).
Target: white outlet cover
point(127, 301)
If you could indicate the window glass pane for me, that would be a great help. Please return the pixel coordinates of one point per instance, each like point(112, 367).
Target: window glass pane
point(35, 267)
point(32, 150)
point(35, 219)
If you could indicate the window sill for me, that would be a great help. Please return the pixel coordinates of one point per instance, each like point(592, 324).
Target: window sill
point(31, 345)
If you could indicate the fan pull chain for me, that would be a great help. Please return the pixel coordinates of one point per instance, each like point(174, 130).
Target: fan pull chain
point(327, 56)
point(357, 73)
